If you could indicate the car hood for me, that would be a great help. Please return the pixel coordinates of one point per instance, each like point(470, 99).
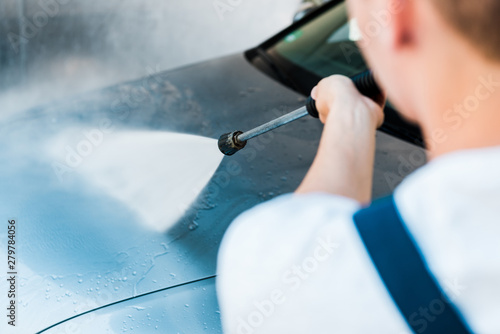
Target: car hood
point(123, 192)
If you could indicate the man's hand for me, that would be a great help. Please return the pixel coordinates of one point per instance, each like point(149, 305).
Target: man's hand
point(338, 94)
point(344, 163)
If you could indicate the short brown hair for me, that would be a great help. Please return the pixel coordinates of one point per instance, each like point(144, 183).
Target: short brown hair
point(477, 20)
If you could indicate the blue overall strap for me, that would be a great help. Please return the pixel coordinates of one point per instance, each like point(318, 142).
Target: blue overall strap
point(399, 263)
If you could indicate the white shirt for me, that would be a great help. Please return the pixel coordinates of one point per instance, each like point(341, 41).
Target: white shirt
point(296, 264)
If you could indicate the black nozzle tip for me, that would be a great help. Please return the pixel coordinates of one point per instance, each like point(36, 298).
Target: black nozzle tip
point(229, 143)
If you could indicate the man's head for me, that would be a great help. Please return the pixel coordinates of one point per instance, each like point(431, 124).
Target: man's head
point(477, 21)
point(419, 48)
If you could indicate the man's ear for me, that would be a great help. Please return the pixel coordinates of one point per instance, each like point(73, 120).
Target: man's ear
point(403, 23)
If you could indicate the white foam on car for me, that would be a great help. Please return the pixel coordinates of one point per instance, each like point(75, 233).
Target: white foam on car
point(156, 174)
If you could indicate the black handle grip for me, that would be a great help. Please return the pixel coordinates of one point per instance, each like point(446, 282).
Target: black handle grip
point(364, 82)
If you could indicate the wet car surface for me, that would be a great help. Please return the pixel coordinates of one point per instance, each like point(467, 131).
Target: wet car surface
point(122, 197)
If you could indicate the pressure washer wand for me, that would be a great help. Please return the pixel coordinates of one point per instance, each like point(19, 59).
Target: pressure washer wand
point(230, 143)
point(285, 119)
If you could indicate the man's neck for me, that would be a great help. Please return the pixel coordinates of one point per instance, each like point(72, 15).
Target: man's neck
point(469, 117)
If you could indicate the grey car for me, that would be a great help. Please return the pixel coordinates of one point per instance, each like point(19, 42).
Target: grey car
point(121, 198)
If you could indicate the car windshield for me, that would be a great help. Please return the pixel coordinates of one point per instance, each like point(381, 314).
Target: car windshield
point(324, 46)
point(320, 45)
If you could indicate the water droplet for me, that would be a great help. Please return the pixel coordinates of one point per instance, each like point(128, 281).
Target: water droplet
point(139, 308)
point(193, 226)
point(80, 281)
point(134, 273)
point(187, 305)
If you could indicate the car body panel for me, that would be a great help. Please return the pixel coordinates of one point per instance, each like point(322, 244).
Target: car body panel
point(81, 247)
point(175, 310)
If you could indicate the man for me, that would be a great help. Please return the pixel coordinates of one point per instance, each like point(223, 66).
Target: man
point(306, 262)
